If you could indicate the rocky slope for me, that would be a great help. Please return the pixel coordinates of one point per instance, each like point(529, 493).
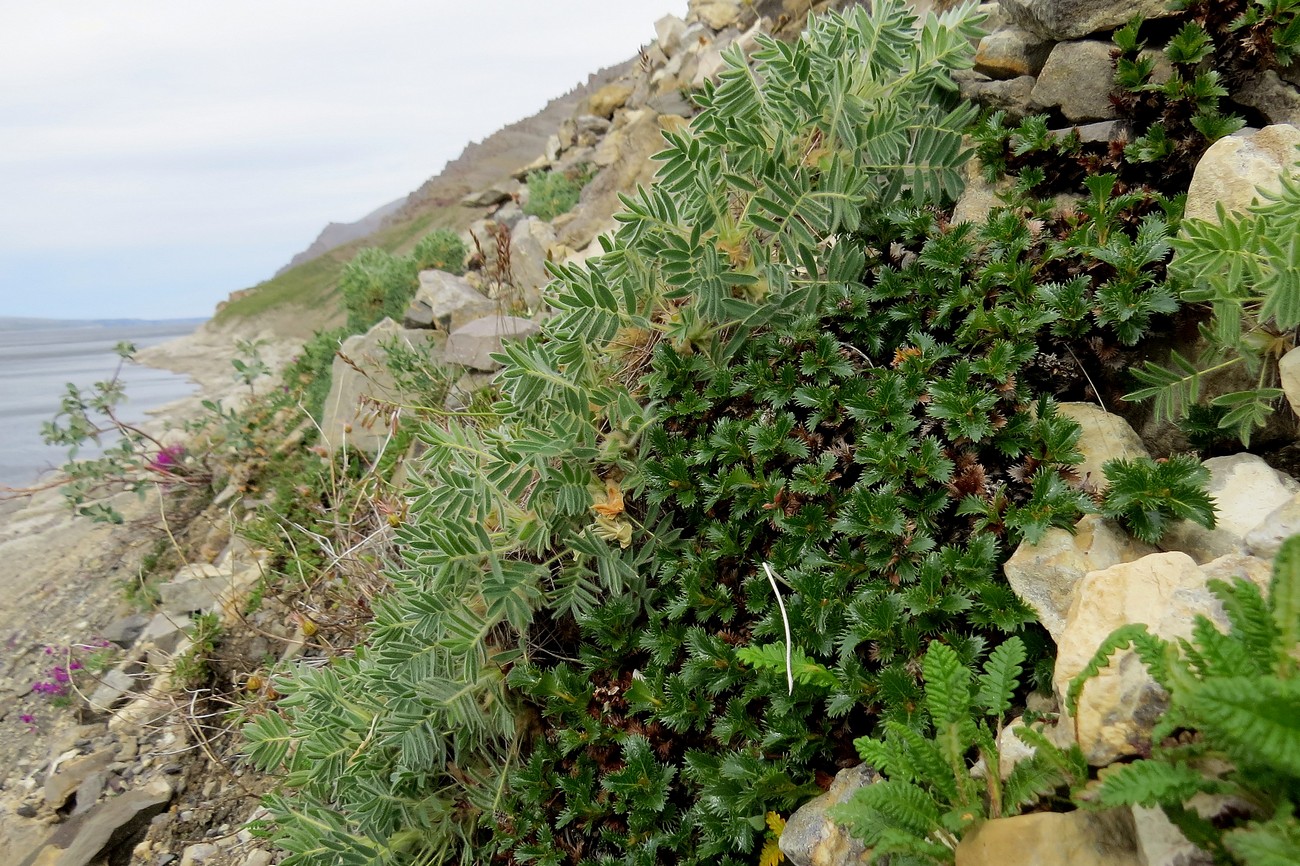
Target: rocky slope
point(154, 782)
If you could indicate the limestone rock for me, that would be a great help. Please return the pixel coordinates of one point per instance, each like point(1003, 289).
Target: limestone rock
point(1236, 166)
point(1246, 492)
point(207, 590)
point(81, 839)
point(473, 345)
point(530, 249)
point(1046, 575)
point(610, 98)
point(1012, 96)
point(348, 416)
point(670, 32)
point(1163, 590)
point(1289, 371)
point(1104, 437)
point(1162, 844)
point(979, 197)
point(812, 839)
point(1079, 838)
point(1011, 52)
point(590, 129)
point(634, 145)
point(1073, 19)
point(717, 14)
point(1077, 77)
point(445, 301)
point(1282, 522)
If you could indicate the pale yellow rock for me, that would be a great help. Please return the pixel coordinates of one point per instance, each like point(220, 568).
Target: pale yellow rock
point(1046, 575)
point(717, 14)
point(1289, 371)
point(1165, 591)
point(1237, 166)
point(1246, 490)
point(1104, 437)
point(610, 98)
point(1079, 838)
point(811, 839)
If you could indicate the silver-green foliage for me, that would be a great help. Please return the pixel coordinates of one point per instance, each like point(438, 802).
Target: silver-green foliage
point(1239, 693)
point(1246, 268)
point(401, 753)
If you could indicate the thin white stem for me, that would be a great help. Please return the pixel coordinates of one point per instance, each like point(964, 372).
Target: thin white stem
point(785, 621)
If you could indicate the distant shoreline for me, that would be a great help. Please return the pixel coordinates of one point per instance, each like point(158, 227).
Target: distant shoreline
point(24, 323)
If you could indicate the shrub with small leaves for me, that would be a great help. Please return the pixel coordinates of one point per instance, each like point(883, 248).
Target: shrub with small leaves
point(1145, 495)
point(441, 250)
point(551, 193)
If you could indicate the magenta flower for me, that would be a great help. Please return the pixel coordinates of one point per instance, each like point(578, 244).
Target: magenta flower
point(168, 459)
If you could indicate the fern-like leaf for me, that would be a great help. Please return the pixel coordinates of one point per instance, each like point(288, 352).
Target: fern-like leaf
point(1256, 718)
point(1001, 676)
point(1150, 783)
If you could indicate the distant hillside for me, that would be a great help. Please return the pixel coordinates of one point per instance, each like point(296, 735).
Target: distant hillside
point(299, 299)
point(338, 234)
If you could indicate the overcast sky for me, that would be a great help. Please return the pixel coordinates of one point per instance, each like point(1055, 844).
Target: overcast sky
point(156, 155)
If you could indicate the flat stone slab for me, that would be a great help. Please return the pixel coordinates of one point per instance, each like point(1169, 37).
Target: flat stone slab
point(82, 838)
point(474, 344)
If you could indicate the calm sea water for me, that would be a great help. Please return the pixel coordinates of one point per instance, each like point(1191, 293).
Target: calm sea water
point(36, 364)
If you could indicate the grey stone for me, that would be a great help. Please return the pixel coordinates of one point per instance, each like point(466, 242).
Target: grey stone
point(591, 129)
point(1266, 92)
point(1077, 77)
point(83, 838)
point(72, 774)
point(198, 855)
point(1011, 53)
point(472, 345)
point(1073, 19)
point(257, 858)
point(445, 301)
point(1101, 131)
point(1236, 167)
point(1162, 844)
point(495, 194)
point(1246, 492)
point(1288, 369)
point(530, 250)
point(165, 631)
point(124, 632)
point(1011, 96)
point(979, 197)
point(671, 102)
point(113, 688)
point(354, 411)
point(810, 838)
